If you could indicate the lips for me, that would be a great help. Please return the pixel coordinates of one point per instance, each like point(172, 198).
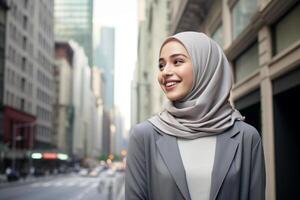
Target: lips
point(170, 84)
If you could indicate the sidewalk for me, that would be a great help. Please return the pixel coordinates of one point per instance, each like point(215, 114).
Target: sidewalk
point(31, 179)
point(121, 195)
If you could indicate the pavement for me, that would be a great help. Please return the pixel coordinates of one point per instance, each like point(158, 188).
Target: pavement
point(22, 181)
point(65, 187)
point(122, 193)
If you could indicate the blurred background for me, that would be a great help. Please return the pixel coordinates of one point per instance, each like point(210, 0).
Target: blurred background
point(76, 75)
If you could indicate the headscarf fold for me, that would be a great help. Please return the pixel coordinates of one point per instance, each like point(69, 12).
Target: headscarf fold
point(206, 110)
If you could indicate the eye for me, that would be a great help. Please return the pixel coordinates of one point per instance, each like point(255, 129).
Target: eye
point(161, 66)
point(178, 61)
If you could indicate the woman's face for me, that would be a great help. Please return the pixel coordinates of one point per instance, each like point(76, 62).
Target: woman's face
point(175, 71)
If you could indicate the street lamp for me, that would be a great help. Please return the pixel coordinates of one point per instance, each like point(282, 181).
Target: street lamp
point(15, 127)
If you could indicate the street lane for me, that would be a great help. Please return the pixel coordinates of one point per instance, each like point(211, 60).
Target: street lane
point(67, 188)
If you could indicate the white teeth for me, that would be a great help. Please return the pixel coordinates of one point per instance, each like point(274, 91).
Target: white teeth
point(170, 84)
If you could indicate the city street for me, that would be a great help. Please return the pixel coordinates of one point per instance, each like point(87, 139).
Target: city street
point(72, 187)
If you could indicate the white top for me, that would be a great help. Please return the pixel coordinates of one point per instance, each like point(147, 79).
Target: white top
point(198, 158)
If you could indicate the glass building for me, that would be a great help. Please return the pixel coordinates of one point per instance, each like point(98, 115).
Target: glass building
point(74, 20)
point(104, 57)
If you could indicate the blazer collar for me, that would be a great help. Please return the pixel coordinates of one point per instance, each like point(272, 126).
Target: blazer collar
point(169, 150)
point(225, 151)
point(226, 148)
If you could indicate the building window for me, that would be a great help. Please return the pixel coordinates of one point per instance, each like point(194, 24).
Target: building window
point(242, 12)
point(24, 42)
point(24, 64)
point(23, 84)
point(246, 63)
point(12, 78)
point(25, 3)
point(218, 35)
point(25, 22)
point(22, 104)
point(12, 100)
point(287, 30)
point(13, 55)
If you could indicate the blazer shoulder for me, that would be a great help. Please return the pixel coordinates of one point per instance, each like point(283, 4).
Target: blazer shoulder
point(142, 130)
point(249, 132)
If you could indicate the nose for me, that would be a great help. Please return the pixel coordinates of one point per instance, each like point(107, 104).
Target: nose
point(167, 71)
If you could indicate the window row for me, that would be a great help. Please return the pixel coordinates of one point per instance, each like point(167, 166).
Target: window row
point(43, 131)
point(44, 62)
point(20, 61)
point(43, 114)
point(46, 21)
point(247, 62)
point(17, 102)
point(44, 80)
point(15, 11)
point(21, 40)
point(44, 97)
point(44, 44)
point(19, 82)
point(20, 17)
point(28, 5)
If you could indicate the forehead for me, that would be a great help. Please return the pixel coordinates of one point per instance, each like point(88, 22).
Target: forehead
point(173, 47)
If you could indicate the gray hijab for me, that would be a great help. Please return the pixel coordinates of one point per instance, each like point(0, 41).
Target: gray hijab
point(206, 110)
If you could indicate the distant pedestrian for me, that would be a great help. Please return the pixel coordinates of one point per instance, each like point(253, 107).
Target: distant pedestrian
point(32, 171)
point(8, 171)
point(198, 147)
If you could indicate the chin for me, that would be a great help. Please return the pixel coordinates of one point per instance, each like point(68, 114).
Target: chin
point(173, 97)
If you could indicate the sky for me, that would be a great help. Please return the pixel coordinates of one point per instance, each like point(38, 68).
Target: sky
point(121, 14)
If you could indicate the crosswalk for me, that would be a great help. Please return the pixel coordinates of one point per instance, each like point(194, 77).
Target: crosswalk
point(67, 183)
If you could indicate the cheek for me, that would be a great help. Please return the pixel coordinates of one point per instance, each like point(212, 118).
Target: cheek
point(159, 78)
point(190, 77)
point(187, 77)
point(190, 81)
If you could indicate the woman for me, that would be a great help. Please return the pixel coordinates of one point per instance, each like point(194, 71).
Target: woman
point(198, 147)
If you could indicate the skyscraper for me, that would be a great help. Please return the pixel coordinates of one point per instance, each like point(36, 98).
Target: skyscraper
point(27, 85)
point(74, 20)
point(104, 58)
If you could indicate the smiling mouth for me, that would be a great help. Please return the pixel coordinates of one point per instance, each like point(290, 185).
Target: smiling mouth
point(170, 85)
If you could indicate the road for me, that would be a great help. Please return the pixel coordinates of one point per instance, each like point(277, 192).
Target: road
point(73, 187)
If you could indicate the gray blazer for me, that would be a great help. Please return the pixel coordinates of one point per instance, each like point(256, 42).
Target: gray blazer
point(155, 170)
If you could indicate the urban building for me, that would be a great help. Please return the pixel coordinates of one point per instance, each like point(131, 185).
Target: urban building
point(3, 10)
point(154, 27)
point(27, 89)
point(262, 41)
point(74, 20)
point(118, 136)
point(98, 86)
point(106, 134)
point(98, 90)
point(80, 100)
point(3, 147)
point(62, 123)
point(104, 58)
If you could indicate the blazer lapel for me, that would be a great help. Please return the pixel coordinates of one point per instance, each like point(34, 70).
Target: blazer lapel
point(225, 151)
point(169, 150)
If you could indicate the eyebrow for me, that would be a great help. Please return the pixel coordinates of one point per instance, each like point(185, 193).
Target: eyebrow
point(175, 55)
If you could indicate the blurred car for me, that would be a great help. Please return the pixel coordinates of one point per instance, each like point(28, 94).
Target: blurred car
point(83, 172)
point(111, 172)
point(96, 171)
point(13, 175)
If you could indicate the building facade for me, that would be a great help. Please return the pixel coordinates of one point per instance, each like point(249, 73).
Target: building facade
point(80, 98)
point(74, 20)
point(63, 72)
point(262, 41)
point(154, 27)
point(28, 84)
point(26, 89)
point(104, 57)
